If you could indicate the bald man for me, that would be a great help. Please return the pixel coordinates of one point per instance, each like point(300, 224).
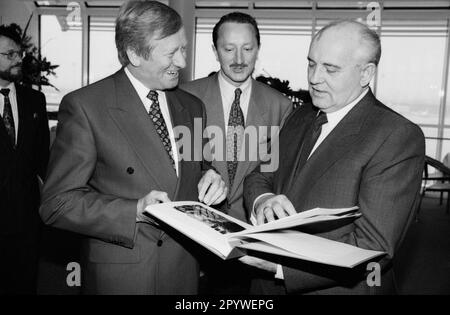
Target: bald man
point(345, 149)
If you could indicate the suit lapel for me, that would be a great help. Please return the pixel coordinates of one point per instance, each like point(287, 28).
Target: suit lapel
point(299, 133)
point(130, 115)
point(215, 117)
point(180, 117)
point(256, 116)
point(338, 143)
point(4, 138)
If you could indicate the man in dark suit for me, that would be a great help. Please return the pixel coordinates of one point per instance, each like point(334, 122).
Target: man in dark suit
point(236, 43)
point(233, 99)
point(115, 153)
point(24, 146)
point(346, 149)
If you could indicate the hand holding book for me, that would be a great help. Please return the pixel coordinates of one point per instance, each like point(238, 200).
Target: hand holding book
point(273, 206)
point(229, 238)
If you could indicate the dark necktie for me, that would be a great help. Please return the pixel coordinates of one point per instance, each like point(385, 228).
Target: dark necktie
point(235, 133)
point(160, 125)
point(311, 138)
point(8, 118)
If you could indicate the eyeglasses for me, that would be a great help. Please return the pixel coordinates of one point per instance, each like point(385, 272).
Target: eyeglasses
point(14, 54)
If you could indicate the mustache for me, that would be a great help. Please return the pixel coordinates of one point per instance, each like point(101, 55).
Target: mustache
point(238, 65)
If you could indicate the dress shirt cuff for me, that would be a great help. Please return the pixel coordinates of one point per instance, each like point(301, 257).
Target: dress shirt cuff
point(253, 214)
point(279, 275)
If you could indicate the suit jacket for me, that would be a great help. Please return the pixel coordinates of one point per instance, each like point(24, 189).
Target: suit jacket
point(267, 107)
point(105, 157)
point(20, 167)
point(373, 159)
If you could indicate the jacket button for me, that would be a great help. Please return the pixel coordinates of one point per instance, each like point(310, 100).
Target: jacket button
point(130, 170)
point(159, 243)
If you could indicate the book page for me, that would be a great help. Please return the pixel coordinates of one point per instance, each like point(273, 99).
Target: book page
point(309, 247)
point(221, 233)
point(201, 223)
point(304, 218)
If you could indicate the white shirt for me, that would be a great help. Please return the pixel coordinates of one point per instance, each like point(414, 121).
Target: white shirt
point(143, 91)
point(333, 120)
point(13, 101)
point(227, 92)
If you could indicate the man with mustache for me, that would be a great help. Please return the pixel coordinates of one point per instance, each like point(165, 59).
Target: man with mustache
point(24, 147)
point(115, 153)
point(346, 149)
point(233, 92)
point(233, 99)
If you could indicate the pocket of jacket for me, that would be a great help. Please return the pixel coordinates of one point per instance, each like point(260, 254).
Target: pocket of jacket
point(106, 253)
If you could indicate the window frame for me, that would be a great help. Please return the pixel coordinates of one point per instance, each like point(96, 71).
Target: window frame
point(419, 10)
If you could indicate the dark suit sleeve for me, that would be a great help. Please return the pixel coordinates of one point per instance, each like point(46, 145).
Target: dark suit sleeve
point(287, 107)
point(388, 194)
point(255, 184)
point(260, 182)
point(69, 202)
point(43, 138)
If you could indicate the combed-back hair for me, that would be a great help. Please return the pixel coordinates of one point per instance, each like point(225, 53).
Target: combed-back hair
point(140, 21)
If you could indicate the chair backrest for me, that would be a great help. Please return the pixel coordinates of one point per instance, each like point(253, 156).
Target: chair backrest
point(439, 166)
point(446, 160)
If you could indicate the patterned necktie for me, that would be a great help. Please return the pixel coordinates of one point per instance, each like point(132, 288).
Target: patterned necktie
point(235, 133)
point(160, 125)
point(311, 139)
point(8, 118)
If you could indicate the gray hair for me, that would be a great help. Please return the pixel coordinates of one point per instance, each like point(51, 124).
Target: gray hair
point(138, 22)
point(368, 37)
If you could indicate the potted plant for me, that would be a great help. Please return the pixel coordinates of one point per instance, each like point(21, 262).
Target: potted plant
point(298, 98)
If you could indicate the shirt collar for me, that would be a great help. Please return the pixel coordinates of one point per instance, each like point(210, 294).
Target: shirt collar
point(228, 89)
point(140, 88)
point(339, 114)
point(10, 86)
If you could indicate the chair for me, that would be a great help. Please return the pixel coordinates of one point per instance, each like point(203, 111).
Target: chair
point(437, 182)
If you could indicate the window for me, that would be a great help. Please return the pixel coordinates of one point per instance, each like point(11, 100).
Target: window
point(61, 44)
point(446, 95)
point(431, 140)
point(103, 60)
point(413, 76)
point(411, 69)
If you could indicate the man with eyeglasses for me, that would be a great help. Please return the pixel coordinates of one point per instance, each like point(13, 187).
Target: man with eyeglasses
point(14, 54)
point(24, 150)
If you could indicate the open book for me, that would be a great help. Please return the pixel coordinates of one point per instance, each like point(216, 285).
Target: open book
point(228, 237)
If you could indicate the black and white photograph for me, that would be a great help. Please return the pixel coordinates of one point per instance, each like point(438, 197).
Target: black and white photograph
point(213, 220)
point(260, 110)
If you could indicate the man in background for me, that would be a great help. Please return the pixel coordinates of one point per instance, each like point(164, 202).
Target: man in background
point(346, 149)
point(24, 147)
point(233, 99)
point(115, 153)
